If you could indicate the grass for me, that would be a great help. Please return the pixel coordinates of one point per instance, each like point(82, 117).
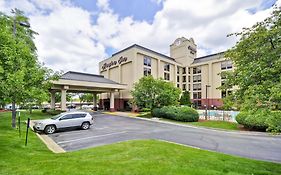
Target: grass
point(217, 124)
point(132, 157)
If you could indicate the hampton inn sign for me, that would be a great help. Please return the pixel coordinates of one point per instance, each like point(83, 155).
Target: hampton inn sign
point(113, 63)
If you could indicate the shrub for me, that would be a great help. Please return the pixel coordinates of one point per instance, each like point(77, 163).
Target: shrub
point(145, 110)
point(185, 114)
point(263, 120)
point(274, 122)
point(54, 112)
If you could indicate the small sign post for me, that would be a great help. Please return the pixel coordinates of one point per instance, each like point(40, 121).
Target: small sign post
point(27, 127)
point(19, 125)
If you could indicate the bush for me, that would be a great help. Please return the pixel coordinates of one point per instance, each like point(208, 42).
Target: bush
point(145, 110)
point(54, 112)
point(262, 120)
point(274, 122)
point(185, 114)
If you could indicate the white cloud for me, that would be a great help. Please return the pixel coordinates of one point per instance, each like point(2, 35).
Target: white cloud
point(66, 39)
point(69, 40)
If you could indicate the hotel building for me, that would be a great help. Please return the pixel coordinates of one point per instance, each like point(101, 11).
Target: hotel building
point(198, 75)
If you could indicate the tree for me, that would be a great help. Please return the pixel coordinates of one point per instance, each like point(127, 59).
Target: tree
point(257, 61)
point(23, 78)
point(185, 98)
point(151, 93)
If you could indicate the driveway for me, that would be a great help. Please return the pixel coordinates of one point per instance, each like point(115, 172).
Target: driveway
point(111, 129)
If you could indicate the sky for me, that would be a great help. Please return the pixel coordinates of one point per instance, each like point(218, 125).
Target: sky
point(75, 35)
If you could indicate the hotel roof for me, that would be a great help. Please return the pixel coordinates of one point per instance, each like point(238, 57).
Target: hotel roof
point(145, 49)
point(207, 57)
point(79, 76)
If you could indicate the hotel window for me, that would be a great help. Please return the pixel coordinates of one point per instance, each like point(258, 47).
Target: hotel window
point(146, 71)
point(197, 95)
point(184, 70)
point(178, 70)
point(184, 87)
point(184, 78)
point(226, 65)
point(178, 78)
point(188, 78)
point(188, 70)
point(147, 61)
point(197, 78)
point(178, 85)
point(166, 76)
point(225, 93)
point(197, 87)
point(196, 70)
point(167, 67)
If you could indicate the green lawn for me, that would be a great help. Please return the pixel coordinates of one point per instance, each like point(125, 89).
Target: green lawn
point(132, 157)
point(217, 124)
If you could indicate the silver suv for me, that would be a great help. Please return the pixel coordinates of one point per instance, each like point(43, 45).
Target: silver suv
point(65, 120)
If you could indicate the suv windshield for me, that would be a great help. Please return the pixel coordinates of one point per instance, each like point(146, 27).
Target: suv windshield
point(56, 116)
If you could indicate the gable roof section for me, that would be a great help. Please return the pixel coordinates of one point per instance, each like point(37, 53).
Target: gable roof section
point(207, 58)
point(79, 76)
point(145, 49)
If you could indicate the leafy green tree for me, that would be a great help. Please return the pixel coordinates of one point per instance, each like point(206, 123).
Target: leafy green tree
point(185, 98)
point(257, 61)
point(22, 78)
point(150, 93)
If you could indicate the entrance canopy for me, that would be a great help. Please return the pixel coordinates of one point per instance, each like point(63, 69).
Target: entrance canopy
point(78, 82)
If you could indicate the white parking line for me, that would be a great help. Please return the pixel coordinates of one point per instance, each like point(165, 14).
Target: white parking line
point(75, 140)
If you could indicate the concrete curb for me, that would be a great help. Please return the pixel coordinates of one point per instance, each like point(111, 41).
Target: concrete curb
point(51, 145)
point(253, 133)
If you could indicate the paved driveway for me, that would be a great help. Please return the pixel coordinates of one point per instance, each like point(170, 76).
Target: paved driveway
point(110, 129)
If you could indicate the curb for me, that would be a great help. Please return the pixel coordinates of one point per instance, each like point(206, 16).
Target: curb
point(203, 128)
point(51, 145)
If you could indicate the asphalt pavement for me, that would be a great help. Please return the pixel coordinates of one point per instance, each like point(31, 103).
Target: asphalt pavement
point(110, 129)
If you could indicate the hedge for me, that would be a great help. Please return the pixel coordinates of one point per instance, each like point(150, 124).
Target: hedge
point(262, 120)
point(185, 114)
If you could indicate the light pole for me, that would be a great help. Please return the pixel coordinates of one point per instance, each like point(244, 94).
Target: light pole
point(14, 33)
point(24, 24)
point(207, 105)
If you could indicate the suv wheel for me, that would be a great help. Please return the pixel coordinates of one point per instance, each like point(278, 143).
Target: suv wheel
point(85, 125)
point(50, 129)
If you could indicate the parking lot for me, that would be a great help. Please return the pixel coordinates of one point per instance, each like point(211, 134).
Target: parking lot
point(111, 129)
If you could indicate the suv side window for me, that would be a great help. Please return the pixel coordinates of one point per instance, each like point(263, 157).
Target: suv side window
point(75, 116)
point(66, 117)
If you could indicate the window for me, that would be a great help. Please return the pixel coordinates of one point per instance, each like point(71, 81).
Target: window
point(178, 70)
point(167, 67)
point(188, 70)
point(197, 87)
point(166, 76)
point(184, 70)
point(197, 95)
point(147, 61)
point(178, 78)
point(183, 78)
point(196, 70)
point(188, 78)
point(225, 93)
point(226, 65)
point(197, 78)
point(66, 117)
point(78, 115)
point(178, 85)
point(184, 87)
point(146, 71)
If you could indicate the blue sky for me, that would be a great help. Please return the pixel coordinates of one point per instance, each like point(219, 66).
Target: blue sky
point(77, 34)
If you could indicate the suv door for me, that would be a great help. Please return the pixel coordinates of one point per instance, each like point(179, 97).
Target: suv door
point(78, 119)
point(65, 121)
